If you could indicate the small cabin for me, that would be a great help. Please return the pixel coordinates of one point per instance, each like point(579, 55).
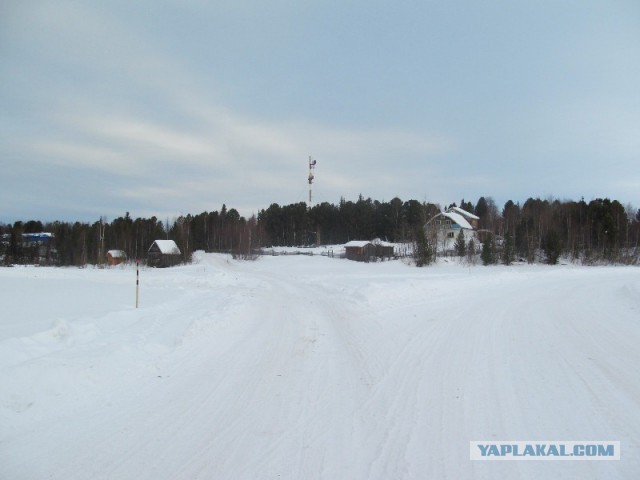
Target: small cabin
point(163, 253)
point(359, 250)
point(116, 257)
point(384, 249)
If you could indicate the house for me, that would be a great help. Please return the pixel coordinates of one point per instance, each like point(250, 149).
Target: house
point(469, 217)
point(359, 250)
point(384, 249)
point(37, 248)
point(163, 253)
point(116, 257)
point(446, 226)
point(39, 239)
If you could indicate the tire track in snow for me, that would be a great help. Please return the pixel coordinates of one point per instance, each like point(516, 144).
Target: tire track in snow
point(266, 378)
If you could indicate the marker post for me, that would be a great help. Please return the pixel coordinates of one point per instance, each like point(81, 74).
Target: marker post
point(137, 280)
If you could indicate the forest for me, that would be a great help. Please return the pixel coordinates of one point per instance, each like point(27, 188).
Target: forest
point(600, 231)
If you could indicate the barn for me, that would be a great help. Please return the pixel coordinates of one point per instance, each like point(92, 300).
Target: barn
point(163, 253)
point(116, 257)
point(359, 250)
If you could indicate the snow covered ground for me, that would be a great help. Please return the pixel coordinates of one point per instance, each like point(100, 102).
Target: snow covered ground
point(297, 367)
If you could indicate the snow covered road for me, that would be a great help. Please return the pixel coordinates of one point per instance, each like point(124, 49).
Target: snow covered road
point(315, 368)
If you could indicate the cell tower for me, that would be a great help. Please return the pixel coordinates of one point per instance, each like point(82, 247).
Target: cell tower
point(103, 221)
point(312, 166)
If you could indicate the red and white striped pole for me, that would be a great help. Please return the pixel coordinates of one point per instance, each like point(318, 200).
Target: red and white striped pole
point(137, 279)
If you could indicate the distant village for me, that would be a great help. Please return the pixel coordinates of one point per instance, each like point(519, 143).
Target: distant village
point(364, 231)
point(444, 228)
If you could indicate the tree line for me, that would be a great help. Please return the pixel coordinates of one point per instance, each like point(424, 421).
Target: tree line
point(600, 230)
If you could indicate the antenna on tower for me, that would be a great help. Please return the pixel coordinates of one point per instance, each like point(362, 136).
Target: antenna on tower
point(103, 221)
point(312, 166)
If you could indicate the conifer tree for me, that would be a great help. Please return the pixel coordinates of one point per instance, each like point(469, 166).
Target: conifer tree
point(424, 252)
point(508, 251)
point(488, 251)
point(461, 244)
point(552, 247)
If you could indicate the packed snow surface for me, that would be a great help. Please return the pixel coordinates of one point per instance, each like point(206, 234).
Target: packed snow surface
point(308, 367)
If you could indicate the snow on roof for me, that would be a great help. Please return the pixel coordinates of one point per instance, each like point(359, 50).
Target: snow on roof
point(167, 247)
point(464, 213)
point(382, 243)
point(357, 243)
point(459, 219)
point(117, 253)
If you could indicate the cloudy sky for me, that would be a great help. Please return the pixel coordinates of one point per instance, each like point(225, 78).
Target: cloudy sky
point(173, 107)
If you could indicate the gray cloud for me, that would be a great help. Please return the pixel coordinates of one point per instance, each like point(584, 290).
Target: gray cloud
point(112, 108)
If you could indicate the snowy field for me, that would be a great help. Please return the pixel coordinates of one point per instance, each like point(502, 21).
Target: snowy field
point(297, 367)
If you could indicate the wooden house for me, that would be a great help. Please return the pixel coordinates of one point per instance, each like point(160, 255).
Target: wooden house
point(116, 257)
point(360, 250)
point(384, 249)
point(163, 253)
